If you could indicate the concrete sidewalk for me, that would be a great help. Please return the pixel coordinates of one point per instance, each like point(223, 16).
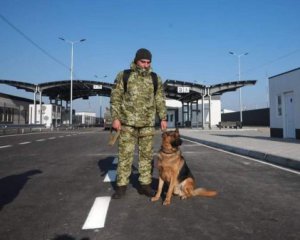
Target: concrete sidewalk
point(252, 142)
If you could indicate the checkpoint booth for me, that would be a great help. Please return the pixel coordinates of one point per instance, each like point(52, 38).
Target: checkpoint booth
point(200, 104)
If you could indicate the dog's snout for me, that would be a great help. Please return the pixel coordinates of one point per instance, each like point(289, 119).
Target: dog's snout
point(176, 142)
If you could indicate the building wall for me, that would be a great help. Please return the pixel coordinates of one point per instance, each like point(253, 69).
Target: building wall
point(51, 114)
point(86, 118)
point(13, 109)
point(255, 117)
point(279, 86)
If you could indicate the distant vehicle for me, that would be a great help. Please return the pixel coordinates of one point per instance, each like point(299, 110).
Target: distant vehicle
point(107, 119)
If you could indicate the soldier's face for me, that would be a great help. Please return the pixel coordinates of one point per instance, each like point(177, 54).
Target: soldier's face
point(144, 63)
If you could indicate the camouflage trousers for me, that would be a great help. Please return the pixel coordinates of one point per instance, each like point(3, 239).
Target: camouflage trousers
point(129, 138)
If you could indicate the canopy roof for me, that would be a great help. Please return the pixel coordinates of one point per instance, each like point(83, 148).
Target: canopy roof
point(194, 91)
point(61, 89)
point(86, 88)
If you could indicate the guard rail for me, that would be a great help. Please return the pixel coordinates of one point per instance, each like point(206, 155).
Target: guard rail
point(20, 128)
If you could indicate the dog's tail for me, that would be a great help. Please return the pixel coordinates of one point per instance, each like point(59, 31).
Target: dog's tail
point(204, 192)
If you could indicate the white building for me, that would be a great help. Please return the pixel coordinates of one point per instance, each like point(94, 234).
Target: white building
point(51, 114)
point(178, 114)
point(284, 93)
point(85, 118)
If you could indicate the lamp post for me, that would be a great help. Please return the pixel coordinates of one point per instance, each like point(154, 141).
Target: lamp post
point(71, 75)
point(100, 97)
point(240, 90)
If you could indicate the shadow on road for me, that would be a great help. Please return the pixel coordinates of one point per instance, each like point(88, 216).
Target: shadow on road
point(106, 165)
point(11, 186)
point(68, 237)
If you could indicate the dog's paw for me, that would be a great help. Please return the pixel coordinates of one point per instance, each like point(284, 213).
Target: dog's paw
point(166, 202)
point(154, 199)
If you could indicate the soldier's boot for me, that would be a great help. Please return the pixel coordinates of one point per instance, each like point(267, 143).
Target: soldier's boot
point(146, 190)
point(119, 192)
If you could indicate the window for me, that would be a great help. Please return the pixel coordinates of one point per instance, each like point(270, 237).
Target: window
point(279, 105)
point(7, 115)
point(1, 114)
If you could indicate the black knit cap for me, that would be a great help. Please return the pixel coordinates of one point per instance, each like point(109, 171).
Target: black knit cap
point(143, 53)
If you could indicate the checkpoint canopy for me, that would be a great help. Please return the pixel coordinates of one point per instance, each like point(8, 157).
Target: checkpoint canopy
point(190, 93)
point(59, 91)
point(186, 92)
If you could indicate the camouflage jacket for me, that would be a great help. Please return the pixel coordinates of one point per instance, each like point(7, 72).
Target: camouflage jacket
point(137, 106)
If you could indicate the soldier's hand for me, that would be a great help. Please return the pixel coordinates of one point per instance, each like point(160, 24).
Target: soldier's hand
point(163, 125)
point(116, 124)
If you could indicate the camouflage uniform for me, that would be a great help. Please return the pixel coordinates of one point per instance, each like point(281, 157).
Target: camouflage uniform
point(136, 109)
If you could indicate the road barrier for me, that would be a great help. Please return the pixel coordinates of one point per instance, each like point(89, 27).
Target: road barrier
point(7, 129)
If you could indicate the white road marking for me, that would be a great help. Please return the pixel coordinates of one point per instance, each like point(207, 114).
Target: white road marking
point(23, 143)
point(5, 146)
point(51, 138)
point(61, 136)
point(41, 140)
point(242, 156)
point(115, 161)
point(97, 214)
point(110, 176)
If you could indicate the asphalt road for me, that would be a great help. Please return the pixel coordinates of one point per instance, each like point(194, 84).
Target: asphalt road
point(49, 182)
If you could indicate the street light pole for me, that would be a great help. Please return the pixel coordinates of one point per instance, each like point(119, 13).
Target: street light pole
point(71, 75)
point(100, 97)
point(240, 90)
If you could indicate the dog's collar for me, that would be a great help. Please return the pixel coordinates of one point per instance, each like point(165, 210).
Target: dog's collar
point(169, 151)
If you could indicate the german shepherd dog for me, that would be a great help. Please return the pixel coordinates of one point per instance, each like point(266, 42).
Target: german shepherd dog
point(173, 169)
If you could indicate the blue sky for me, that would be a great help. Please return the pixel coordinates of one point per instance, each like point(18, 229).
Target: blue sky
point(189, 40)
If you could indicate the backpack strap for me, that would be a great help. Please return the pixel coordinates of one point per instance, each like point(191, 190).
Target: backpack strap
point(155, 81)
point(126, 75)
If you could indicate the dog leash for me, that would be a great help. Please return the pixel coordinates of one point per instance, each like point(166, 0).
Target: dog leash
point(114, 135)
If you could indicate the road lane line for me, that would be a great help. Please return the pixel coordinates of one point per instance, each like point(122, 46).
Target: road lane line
point(97, 214)
point(23, 143)
point(51, 138)
point(5, 146)
point(115, 161)
point(110, 176)
point(41, 140)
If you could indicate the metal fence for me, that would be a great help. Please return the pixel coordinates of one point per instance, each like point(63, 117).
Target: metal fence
point(7, 129)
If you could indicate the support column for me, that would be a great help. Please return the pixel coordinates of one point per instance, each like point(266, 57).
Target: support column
point(56, 105)
point(182, 114)
point(209, 108)
point(191, 113)
point(41, 111)
point(203, 115)
point(34, 105)
point(197, 113)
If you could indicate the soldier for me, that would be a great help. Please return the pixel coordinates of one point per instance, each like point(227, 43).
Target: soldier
point(135, 100)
